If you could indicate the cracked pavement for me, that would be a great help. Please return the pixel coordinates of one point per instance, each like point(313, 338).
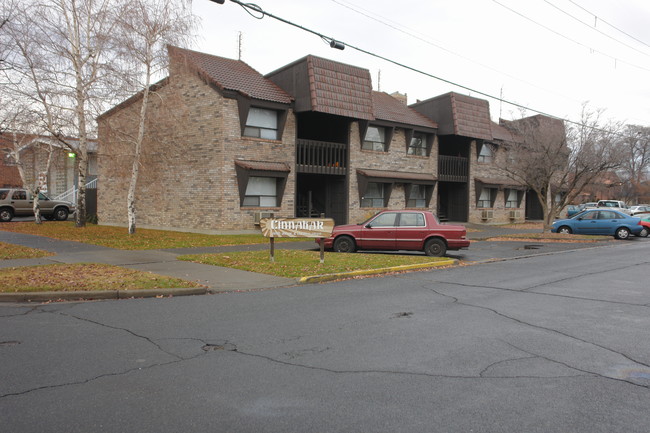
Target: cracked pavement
point(557, 342)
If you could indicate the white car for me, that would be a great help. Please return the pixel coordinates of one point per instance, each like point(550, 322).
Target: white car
point(641, 208)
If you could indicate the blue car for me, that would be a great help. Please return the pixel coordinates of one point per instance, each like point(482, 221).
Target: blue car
point(600, 222)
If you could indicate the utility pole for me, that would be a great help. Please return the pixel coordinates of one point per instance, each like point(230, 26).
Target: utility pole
point(239, 43)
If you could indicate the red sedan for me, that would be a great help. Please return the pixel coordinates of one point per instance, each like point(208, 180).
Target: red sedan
point(399, 230)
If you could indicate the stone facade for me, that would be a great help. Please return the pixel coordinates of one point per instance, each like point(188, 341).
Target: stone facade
point(396, 159)
point(187, 172)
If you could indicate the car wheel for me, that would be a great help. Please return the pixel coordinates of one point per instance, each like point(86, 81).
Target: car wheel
point(60, 214)
point(622, 233)
point(565, 230)
point(6, 215)
point(435, 247)
point(344, 244)
point(644, 233)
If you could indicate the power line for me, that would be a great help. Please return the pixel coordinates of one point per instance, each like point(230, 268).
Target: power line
point(616, 59)
point(341, 45)
point(427, 41)
point(595, 29)
point(611, 25)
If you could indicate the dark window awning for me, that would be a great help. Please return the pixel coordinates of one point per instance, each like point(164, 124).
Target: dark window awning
point(367, 175)
point(481, 183)
point(386, 176)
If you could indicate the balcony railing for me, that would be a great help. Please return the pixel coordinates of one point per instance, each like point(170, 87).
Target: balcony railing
point(321, 157)
point(453, 168)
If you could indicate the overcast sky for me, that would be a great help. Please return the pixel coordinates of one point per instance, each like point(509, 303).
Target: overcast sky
point(549, 55)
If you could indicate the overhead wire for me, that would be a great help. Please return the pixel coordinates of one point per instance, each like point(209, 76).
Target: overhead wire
point(429, 42)
point(616, 59)
point(331, 40)
point(595, 28)
point(611, 25)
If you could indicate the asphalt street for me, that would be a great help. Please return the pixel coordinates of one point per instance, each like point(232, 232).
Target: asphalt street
point(554, 342)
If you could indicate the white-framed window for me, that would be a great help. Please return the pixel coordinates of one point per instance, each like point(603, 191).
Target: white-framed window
point(261, 192)
point(262, 123)
point(512, 198)
point(418, 145)
point(418, 196)
point(486, 154)
point(487, 197)
point(375, 139)
point(374, 195)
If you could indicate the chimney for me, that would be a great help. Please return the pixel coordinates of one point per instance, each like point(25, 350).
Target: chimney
point(401, 97)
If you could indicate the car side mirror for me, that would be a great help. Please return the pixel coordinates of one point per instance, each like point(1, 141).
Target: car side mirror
point(369, 225)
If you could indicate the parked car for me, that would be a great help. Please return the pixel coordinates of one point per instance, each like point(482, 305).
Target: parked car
point(20, 202)
point(645, 222)
point(573, 209)
point(616, 205)
point(600, 222)
point(399, 230)
point(641, 208)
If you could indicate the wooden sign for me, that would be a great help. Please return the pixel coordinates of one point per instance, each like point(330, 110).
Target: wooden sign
point(297, 227)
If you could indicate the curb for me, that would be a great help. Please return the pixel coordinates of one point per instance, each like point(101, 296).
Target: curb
point(343, 275)
point(98, 294)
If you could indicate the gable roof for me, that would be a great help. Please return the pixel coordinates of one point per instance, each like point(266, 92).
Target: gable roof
point(233, 75)
point(327, 86)
point(386, 107)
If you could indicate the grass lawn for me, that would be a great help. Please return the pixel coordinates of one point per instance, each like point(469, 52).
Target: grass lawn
point(11, 251)
point(143, 239)
point(83, 277)
point(295, 264)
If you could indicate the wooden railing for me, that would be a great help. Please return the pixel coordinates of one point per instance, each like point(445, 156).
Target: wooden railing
point(453, 168)
point(321, 157)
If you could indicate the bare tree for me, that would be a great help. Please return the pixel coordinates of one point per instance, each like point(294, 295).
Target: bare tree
point(147, 26)
point(635, 147)
point(557, 162)
point(63, 57)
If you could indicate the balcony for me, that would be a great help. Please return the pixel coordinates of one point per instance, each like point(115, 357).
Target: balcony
point(321, 157)
point(453, 168)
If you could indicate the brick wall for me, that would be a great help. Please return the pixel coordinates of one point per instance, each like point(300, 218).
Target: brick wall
point(491, 170)
point(395, 159)
point(187, 177)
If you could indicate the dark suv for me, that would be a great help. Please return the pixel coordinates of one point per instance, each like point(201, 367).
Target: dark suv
point(19, 202)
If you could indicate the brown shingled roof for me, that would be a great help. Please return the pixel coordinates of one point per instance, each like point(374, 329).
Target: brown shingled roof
point(235, 75)
point(389, 108)
point(471, 116)
point(340, 89)
point(501, 133)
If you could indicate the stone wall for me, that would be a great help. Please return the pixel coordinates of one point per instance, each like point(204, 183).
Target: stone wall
point(491, 170)
point(187, 171)
point(395, 159)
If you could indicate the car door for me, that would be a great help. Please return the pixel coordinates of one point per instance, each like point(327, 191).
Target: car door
point(379, 233)
point(608, 222)
point(586, 223)
point(21, 203)
point(410, 231)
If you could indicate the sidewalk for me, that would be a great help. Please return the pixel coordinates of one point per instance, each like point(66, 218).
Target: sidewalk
point(220, 279)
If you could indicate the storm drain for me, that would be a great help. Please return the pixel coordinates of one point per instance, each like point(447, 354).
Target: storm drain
point(229, 347)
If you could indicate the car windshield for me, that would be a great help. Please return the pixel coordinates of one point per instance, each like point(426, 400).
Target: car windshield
point(42, 196)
